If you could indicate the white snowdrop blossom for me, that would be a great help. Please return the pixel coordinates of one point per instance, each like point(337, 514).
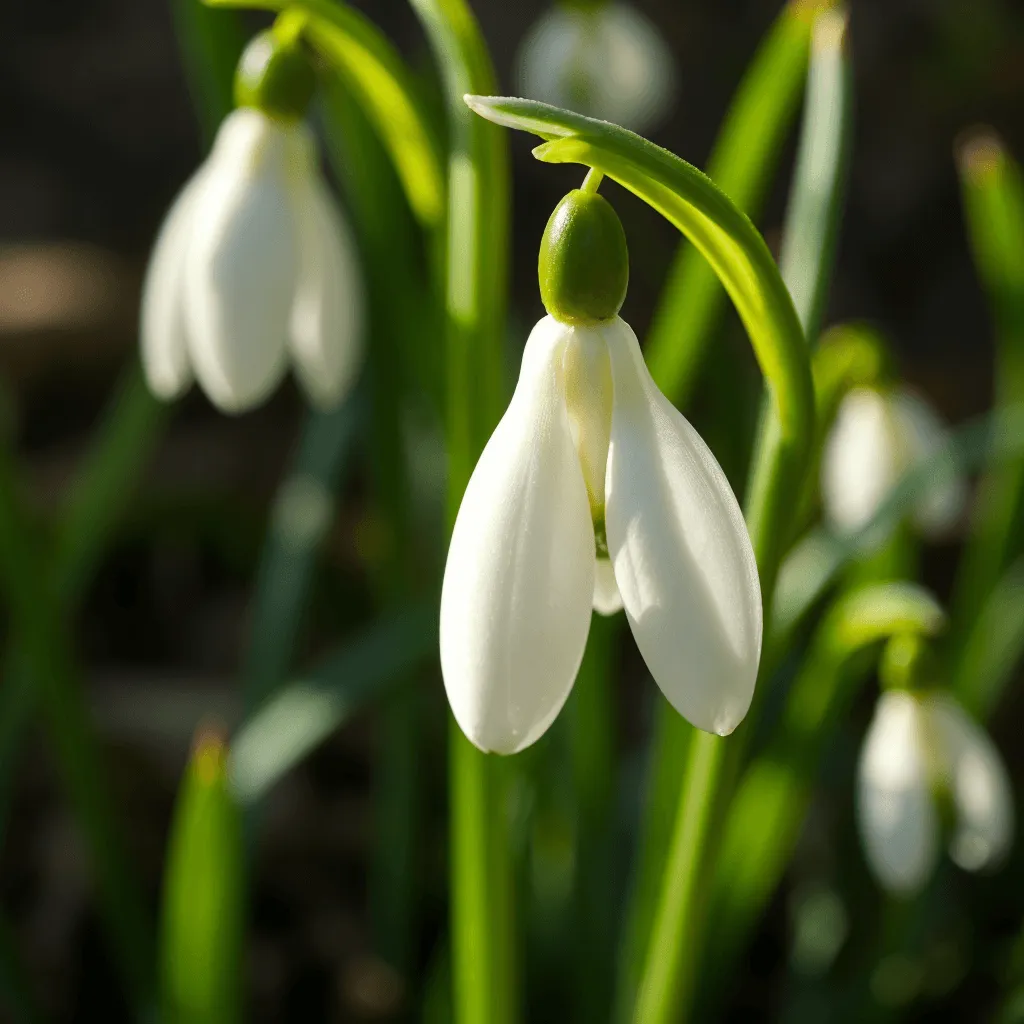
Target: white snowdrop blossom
point(876, 438)
point(254, 267)
point(921, 748)
point(594, 491)
point(605, 60)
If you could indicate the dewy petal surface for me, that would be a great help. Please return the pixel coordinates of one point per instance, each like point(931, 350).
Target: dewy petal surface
point(978, 781)
point(861, 460)
point(515, 604)
point(680, 548)
point(243, 260)
point(895, 808)
point(162, 335)
point(327, 320)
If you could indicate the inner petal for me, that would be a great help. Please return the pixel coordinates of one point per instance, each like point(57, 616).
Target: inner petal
point(588, 400)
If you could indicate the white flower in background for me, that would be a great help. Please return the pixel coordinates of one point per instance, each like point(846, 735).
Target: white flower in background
point(593, 491)
point(605, 60)
point(254, 268)
point(876, 438)
point(920, 749)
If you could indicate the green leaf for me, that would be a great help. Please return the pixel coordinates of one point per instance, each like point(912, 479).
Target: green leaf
point(993, 192)
point(743, 165)
point(371, 67)
point(301, 715)
point(816, 195)
point(994, 646)
point(204, 896)
point(302, 515)
point(764, 818)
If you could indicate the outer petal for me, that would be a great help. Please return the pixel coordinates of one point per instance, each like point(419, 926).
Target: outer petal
point(243, 260)
point(162, 320)
point(980, 786)
point(861, 461)
point(682, 555)
point(327, 319)
point(515, 604)
point(607, 599)
point(895, 808)
point(923, 434)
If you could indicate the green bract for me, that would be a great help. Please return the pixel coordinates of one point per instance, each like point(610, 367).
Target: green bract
point(275, 76)
point(584, 264)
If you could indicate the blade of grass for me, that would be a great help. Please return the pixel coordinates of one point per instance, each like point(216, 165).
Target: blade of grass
point(203, 921)
point(303, 713)
point(993, 193)
point(401, 319)
point(743, 164)
point(302, 516)
point(482, 943)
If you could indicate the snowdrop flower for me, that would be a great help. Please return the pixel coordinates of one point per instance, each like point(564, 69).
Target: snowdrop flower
point(254, 265)
point(593, 491)
point(921, 749)
point(602, 59)
point(876, 438)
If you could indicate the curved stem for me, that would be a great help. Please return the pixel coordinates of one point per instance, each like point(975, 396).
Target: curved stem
point(739, 257)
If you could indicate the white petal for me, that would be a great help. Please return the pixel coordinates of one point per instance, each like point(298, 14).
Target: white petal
point(327, 319)
point(162, 320)
point(895, 808)
point(861, 461)
point(515, 604)
point(243, 260)
point(609, 63)
point(607, 599)
point(682, 556)
point(923, 434)
point(980, 786)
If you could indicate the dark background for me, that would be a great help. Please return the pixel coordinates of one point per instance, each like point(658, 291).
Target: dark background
point(97, 133)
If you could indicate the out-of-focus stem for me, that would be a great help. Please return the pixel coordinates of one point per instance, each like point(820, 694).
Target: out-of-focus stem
point(483, 991)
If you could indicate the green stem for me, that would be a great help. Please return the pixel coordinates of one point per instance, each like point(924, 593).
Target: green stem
point(993, 191)
point(483, 990)
point(667, 982)
point(592, 755)
point(739, 257)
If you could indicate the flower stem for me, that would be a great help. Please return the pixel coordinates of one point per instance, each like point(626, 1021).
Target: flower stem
point(668, 974)
point(483, 991)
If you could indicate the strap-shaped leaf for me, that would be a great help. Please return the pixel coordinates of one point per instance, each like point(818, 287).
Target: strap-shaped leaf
point(304, 713)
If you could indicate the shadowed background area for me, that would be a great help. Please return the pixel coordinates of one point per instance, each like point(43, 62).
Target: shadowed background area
point(99, 133)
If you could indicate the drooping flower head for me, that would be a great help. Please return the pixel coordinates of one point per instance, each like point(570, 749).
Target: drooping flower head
point(593, 492)
point(879, 434)
point(602, 59)
point(928, 769)
point(254, 265)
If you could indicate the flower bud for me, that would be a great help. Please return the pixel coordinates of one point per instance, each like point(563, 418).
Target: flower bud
point(584, 264)
point(275, 76)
